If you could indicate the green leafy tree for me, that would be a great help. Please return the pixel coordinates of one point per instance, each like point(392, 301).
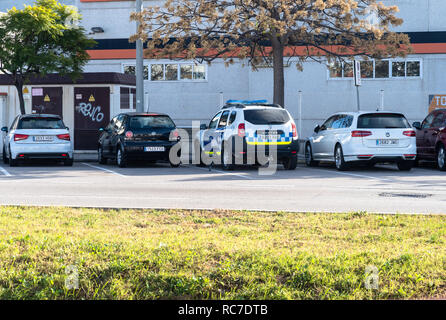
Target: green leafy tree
point(40, 39)
point(269, 30)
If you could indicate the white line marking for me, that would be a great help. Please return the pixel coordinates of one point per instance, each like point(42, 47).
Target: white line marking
point(6, 173)
point(223, 172)
point(103, 169)
point(355, 175)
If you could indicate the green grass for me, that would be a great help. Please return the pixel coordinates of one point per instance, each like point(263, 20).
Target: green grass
point(179, 254)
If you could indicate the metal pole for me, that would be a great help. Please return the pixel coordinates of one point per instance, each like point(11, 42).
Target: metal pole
point(357, 98)
point(221, 100)
point(139, 66)
point(382, 100)
point(299, 130)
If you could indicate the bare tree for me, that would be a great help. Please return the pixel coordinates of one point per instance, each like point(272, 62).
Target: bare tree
point(269, 30)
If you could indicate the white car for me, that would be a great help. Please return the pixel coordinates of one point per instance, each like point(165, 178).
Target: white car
point(243, 129)
point(370, 137)
point(37, 136)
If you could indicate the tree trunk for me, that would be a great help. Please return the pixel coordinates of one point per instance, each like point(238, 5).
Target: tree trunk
point(279, 81)
point(19, 86)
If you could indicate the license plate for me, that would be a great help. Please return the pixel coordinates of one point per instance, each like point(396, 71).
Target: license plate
point(154, 149)
point(43, 138)
point(269, 137)
point(387, 142)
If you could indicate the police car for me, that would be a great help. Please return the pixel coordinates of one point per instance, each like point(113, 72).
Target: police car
point(248, 132)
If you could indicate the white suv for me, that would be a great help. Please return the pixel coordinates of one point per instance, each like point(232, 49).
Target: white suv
point(37, 136)
point(242, 130)
point(370, 137)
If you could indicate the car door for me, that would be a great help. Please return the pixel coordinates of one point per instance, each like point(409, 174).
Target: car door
point(117, 131)
point(105, 138)
point(10, 134)
point(340, 130)
point(421, 144)
point(208, 136)
point(430, 137)
point(220, 131)
point(321, 140)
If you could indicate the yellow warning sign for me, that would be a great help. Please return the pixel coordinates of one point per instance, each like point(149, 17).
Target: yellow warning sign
point(25, 90)
point(92, 99)
point(47, 98)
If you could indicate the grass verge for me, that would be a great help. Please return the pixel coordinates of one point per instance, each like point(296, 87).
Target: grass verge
point(180, 254)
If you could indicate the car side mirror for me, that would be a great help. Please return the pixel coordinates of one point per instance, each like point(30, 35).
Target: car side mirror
point(5, 129)
point(317, 129)
point(417, 125)
point(203, 127)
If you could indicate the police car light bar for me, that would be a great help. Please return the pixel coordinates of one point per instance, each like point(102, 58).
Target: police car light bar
point(246, 101)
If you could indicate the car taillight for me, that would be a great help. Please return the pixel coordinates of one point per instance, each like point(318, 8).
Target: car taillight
point(360, 133)
point(241, 130)
point(18, 137)
point(129, 134)
point(64, 136)
point(410, 133)
point(293, 127)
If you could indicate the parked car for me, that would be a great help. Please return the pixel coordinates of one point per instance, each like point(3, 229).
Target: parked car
point(138, 136)
point(371, 137)
point(247, 125)
point(431, 138)
point(37, 136)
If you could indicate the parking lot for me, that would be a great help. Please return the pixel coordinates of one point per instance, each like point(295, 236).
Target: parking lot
point(88, 184)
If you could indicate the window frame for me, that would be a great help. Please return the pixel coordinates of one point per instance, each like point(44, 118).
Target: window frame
point(391, 77)
point(163, 63)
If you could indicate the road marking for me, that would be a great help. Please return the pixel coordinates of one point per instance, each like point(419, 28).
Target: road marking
point(223, 172)
point(103, 169)
point(6, 173)
point(355, 175)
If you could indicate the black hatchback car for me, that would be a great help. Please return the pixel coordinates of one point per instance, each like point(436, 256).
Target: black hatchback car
point(138, 136)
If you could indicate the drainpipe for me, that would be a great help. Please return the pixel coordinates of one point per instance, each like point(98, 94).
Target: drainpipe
point(139, 66)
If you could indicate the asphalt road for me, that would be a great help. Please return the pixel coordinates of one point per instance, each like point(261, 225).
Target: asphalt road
point(381, 189)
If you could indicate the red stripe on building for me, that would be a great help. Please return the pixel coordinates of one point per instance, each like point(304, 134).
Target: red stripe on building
point(418, 48)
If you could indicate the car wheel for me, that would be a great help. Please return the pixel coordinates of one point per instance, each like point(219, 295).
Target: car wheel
point(12, 162)
point(101, 158)
point(309, 157)
point(290, 163)
point(405, 165)
point(441, 158)
point(340, 163)
point(227, 160)
point(5, 158)
point(121, 158)
point(68, 163)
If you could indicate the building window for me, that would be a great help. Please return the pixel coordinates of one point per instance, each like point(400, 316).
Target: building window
point(186, 72)
point(171, 71)
point(131, 69)
point(377, 69)
point(128, 98)
point(125, 98)
point(382, 69)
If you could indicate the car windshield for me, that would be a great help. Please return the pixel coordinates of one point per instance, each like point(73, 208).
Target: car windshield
point(266, 116)
point(40, 123)
point(150, 122)
point(382, 121)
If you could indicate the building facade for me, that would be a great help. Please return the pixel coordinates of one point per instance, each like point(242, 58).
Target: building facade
point(188, 91)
